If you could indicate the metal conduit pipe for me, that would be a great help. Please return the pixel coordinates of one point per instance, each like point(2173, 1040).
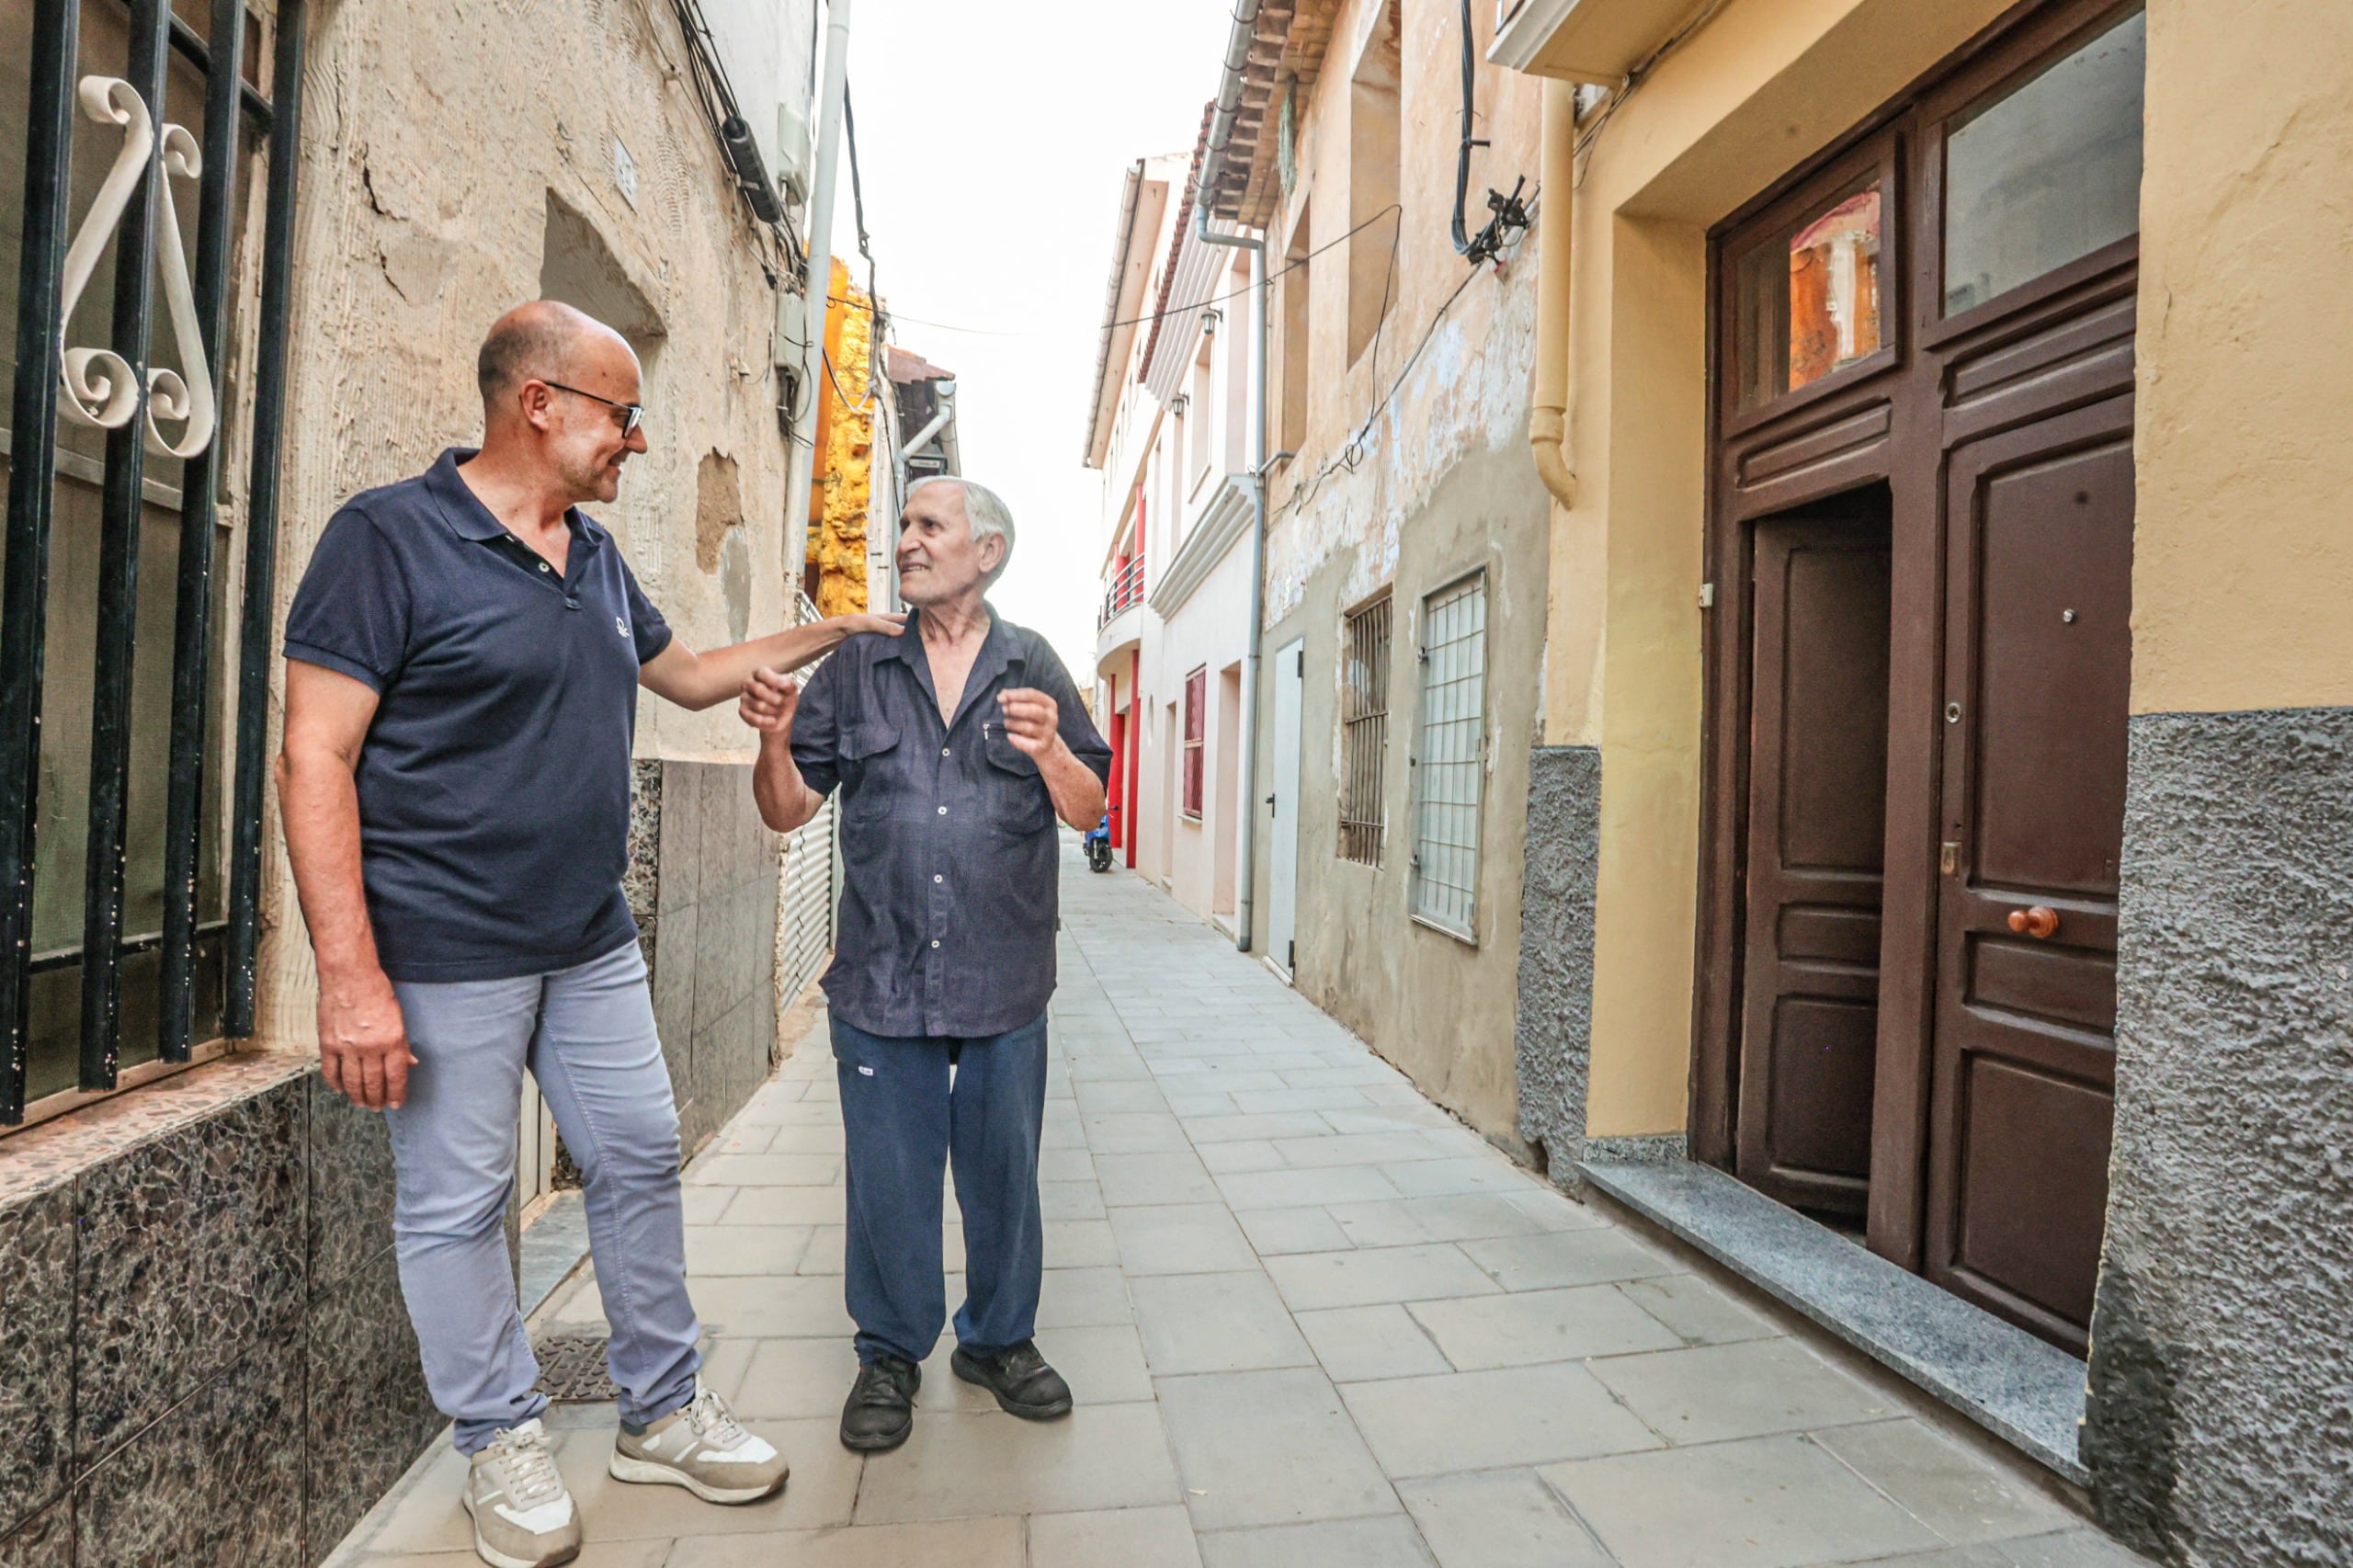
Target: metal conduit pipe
point(1548, 398)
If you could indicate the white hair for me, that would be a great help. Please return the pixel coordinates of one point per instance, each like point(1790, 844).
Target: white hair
point(985, 513)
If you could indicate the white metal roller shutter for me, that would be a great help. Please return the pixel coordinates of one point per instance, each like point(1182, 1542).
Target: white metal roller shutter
point(805, 905)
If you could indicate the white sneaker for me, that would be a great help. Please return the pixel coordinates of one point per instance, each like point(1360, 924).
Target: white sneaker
point(523, 1516)
point(700, 1446)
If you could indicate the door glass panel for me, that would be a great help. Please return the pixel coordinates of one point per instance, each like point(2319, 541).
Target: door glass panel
point(1808, 299)
point(2047, 170)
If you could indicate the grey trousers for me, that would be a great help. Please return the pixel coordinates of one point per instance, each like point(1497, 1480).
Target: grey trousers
point(587, 1035)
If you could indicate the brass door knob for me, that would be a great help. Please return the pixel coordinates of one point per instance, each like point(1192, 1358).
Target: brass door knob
point(2037, 922)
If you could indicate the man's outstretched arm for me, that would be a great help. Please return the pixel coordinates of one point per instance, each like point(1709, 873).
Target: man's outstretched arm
point(768, 702)
point(705, 680)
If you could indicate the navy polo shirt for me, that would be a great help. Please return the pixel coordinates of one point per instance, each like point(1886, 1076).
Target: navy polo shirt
point(495, 780)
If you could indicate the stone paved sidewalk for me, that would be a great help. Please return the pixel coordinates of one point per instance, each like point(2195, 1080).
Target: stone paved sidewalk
point(1309, 1320)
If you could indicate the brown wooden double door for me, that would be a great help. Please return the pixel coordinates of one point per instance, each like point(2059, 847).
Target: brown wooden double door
point(1919, 664)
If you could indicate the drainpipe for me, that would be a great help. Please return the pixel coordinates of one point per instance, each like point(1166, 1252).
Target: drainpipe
point(1229, 105)
point(1548, 398)
point(817, 274)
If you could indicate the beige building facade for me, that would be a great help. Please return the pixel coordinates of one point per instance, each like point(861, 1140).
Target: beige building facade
point(1936, 817)
point(1405, 581)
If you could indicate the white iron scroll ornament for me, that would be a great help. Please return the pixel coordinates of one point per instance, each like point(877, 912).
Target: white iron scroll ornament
point(100, 389)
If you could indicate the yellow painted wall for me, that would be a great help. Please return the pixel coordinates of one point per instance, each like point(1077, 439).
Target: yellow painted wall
point(845, 459)
point(1761, 88)
point(2243, 541)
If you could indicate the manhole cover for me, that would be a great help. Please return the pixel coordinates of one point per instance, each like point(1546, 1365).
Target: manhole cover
point(572, 1369)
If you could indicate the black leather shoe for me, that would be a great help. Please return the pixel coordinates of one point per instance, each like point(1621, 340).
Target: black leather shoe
point(1020, 1378)
point(880, 1410)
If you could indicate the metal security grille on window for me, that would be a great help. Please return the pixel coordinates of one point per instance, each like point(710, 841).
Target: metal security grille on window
point(1364, 731)
point(141, 441)
point(1450, 757)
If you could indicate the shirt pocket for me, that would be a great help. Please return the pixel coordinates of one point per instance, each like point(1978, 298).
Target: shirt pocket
point(1019, 800)
point(870, 760)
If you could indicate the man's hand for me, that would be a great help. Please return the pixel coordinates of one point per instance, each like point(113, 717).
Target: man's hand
point(1032, 721)
point(768, 700)
point(363, 1041)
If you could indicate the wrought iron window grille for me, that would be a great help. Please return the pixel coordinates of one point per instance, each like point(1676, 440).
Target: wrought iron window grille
point(146, 410)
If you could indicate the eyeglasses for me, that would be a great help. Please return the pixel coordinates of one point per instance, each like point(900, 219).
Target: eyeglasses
point(633, 413)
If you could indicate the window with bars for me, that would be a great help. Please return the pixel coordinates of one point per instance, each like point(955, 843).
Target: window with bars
point(1364, 730)
point(1450, 757)
point(130, 789)
point(1197, 687)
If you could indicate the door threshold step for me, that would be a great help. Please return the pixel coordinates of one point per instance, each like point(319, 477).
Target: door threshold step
point(2025, 1391)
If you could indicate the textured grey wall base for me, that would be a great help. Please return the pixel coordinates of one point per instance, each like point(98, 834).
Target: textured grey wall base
point(2221, 1366)
point(204, 1355)
point(1648, 1149)
point(1553, 1038)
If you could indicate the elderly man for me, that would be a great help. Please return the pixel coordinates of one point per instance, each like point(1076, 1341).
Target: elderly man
point(462, 664)
point(954, 749)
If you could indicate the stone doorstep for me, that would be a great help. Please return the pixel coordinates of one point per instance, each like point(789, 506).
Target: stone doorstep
point(2025, 1391)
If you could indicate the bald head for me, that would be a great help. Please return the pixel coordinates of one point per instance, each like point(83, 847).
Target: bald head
point(544, 338)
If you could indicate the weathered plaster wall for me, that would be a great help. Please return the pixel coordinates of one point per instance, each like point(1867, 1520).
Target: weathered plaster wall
point(2241, 561)
point(1441, 1009)
point(436, 143)
point(2222, 1372)
point(1439, 483)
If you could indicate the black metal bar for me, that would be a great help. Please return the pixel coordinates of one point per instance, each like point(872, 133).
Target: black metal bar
point(32, 472)
point(121, 504)
point(188, 42)
point(261, 524)
point(192, 611)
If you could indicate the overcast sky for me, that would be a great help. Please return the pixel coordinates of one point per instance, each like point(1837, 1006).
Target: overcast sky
point(992, 138)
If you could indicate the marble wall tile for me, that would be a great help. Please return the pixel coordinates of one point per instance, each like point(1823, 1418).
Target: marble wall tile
point(215, 1480)
point(37, 1351)
point(134, 1285)
point(350, 1174)
point(681, 838)
point(249, 1226)
point(369, 1413)
point(45, 1540)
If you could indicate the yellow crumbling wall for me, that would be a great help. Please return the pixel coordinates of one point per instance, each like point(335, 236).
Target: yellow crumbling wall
point(846, 451)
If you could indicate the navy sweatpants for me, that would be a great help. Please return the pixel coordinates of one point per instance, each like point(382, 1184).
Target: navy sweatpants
point(902, 1119)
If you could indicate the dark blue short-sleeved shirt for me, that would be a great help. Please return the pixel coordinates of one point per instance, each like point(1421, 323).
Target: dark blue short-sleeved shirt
point(495, 780)
point(949, 858)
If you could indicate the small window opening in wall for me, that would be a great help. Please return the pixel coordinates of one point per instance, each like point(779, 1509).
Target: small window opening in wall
point(1296, 317)
point(1809, 298)
point(1374, 153)
point(1196, 733)
point(1450, 757)
point(1364, 730)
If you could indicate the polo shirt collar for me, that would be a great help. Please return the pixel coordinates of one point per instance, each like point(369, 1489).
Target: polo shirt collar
point(465, 514)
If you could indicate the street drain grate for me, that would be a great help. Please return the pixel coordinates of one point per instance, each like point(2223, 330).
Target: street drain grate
point(572, 1369)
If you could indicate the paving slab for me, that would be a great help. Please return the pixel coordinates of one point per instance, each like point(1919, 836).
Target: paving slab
point(1308, 1318)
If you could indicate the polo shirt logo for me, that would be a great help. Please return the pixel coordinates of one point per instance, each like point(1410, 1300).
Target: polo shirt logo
point(620, 626)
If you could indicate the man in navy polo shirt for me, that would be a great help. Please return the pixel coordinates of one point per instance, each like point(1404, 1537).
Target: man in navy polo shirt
point(462, 665)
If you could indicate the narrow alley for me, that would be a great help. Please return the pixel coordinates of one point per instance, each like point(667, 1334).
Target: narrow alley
point(1309, 1319)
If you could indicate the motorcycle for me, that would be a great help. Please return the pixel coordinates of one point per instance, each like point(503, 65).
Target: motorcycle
point(1098, 846)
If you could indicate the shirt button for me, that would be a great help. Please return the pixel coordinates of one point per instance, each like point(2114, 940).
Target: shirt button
point(936, 877)
point(943, 811)
point(935, 941)
point(543, 566)
point(944, 752)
